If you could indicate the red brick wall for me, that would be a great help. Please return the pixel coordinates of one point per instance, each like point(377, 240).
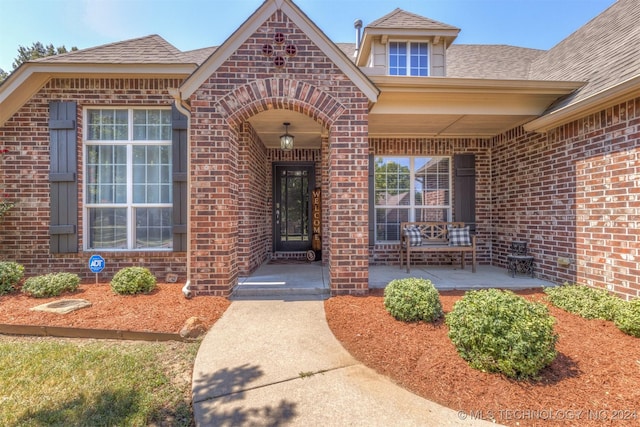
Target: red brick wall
point(24, 231)
point(246, 84)
point(573, 194)
point(388, 253)
point(253, 198)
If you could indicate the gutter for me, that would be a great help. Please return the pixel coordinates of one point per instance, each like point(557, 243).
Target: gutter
point(184, 109)
point(589, 105)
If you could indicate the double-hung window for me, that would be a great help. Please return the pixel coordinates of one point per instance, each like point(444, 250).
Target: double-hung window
point(128, 187)
point(410, 189)
point(408, 59)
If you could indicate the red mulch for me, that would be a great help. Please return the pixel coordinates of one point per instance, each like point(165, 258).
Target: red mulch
point(163, 310)
point(594, 381)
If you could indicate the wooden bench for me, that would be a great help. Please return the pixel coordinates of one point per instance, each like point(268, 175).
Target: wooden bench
point(434, 238)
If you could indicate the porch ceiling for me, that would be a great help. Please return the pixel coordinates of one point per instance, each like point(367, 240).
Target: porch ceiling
point(269, 126)
point(434, 107)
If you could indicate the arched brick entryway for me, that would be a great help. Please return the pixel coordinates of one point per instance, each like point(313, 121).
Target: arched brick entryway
point(343, 163)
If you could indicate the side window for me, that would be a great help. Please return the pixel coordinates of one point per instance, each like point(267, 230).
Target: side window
point(410, 189)
point(128, 187)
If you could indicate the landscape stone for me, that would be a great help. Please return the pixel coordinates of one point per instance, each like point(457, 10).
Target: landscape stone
point(63, 306)
point(194, 327)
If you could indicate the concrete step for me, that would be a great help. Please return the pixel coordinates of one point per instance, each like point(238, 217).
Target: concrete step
point(249, 291)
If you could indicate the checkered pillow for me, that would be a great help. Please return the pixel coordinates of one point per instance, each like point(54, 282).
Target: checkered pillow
point(413, 236)
point(459, 236)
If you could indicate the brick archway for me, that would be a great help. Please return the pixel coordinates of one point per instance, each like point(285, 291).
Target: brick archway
point(279, 93)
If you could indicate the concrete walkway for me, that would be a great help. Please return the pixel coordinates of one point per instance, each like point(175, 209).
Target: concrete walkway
point(275, 362)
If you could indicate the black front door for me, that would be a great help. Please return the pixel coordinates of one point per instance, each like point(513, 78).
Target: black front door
point(292, 185)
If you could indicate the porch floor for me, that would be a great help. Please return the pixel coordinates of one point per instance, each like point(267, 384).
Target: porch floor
point(312, 279)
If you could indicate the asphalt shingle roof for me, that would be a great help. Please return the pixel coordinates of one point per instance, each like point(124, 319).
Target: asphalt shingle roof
point(490, 61)
point(401, 19)
point(604, 52)
point(151, 49)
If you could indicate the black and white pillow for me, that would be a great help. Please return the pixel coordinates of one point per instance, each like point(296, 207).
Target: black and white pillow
point(459, 236)
point(412, 233)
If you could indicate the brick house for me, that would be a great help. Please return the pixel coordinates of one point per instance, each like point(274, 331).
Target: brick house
point(173, 160)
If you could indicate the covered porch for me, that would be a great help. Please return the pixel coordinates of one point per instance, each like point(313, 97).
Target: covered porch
point(311, 279)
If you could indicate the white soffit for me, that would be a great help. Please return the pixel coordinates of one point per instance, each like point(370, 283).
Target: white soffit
point(27, 80)
point(459, 107)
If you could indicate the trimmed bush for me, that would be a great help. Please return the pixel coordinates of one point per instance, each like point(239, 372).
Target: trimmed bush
point(628, 318)
point(10, 274)
point(51, 285)
point(412, 300)
point(590, 303)
point(133, 280)
point(499, 331)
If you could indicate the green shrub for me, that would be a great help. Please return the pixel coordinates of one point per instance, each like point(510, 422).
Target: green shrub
point(50, 285)
point(412, 300)
point(133, 280)
point(499, 331)
point(590, 303)
point(628, 317)
point(10, 274)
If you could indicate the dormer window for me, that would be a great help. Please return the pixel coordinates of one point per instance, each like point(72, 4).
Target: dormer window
point(408, 59)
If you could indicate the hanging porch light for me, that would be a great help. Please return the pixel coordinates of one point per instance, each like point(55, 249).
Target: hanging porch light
point(286, 140)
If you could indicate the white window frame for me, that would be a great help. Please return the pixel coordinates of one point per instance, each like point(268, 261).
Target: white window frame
point(130, 206)
point(408, 44)
point(411, 207)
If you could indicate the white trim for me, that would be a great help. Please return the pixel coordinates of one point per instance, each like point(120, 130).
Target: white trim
point(408, 43)
point(411, 207)
point(129, 206)
point(592, 104)
point(30, 77)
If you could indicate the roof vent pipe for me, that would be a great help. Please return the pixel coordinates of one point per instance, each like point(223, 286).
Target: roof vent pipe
point(358, 26)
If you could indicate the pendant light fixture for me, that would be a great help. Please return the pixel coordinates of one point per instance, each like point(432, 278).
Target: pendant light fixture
point(286, 140)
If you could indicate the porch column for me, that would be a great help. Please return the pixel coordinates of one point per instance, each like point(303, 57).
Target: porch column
point(348, 206)
point(214, 207)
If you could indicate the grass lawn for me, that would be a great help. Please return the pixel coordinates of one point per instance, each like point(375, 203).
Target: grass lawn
point(56, 382)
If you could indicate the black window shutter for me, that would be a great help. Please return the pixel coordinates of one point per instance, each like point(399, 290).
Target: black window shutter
point(465, 189)
point(63, 177)
point(179, 165)
point(372, 199)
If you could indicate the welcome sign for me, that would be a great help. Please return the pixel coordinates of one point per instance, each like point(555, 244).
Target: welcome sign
point(316, 215)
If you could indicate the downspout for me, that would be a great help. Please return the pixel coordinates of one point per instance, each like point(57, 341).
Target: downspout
point(184, 109)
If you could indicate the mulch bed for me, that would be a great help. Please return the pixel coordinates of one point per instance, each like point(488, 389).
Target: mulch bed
point(163, 310)
point(594, 381)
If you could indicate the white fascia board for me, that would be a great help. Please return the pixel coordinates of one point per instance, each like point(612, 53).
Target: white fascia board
point(466, 85)
point(590, 105)
point(27, 80)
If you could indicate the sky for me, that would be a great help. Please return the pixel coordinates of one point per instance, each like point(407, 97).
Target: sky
point(193, 24)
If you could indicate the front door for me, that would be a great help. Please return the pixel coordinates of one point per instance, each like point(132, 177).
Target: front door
point(292, 187)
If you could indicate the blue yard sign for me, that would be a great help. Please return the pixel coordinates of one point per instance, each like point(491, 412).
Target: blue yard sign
point(96, 263)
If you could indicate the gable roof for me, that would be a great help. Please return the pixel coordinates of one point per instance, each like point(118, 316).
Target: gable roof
point(400, 23)
point(138, 57)
point(401, 19)
point(248, 28)
point(605, 53)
